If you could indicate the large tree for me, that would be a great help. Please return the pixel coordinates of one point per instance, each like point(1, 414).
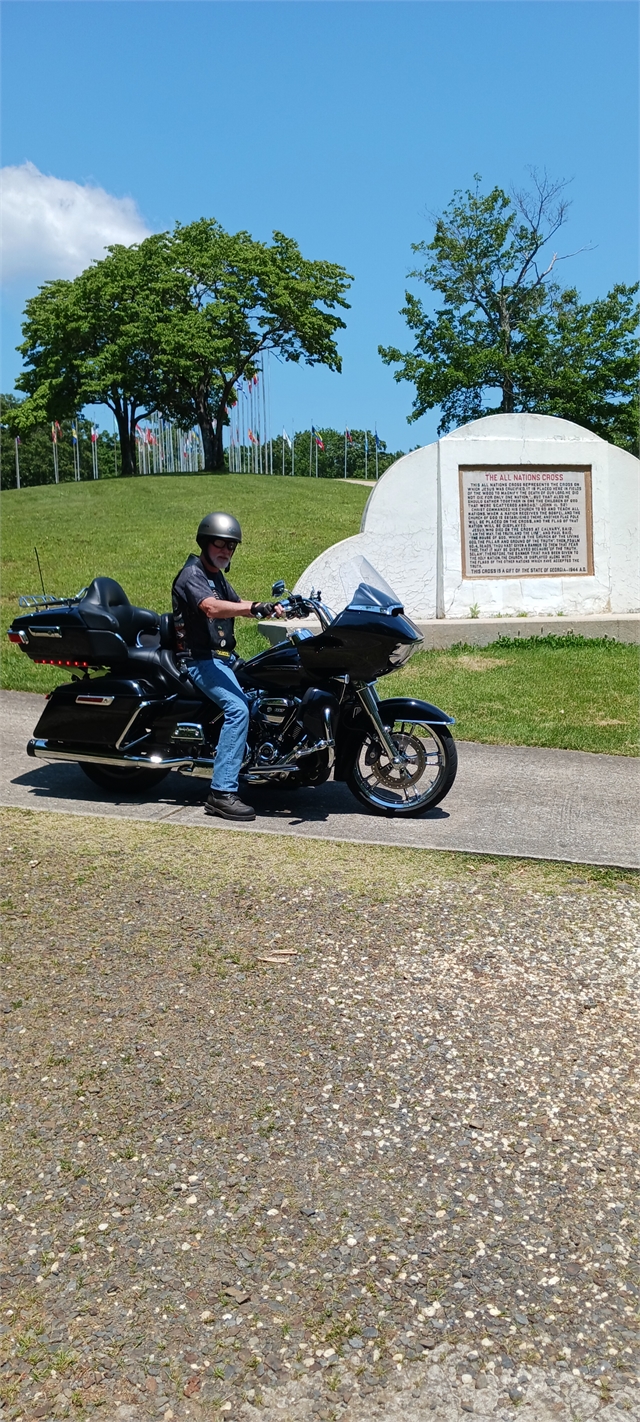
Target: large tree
point(505, 327)
point(172, 325)
point(235, 299)
point(93, 341)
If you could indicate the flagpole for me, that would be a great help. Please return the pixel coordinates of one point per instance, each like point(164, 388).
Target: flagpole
point(270, 414)
point(17, 448)
point(283, 451)
point(316, 444)
point(293, 450)
point(267, 470)
point(310, 450)
point(345, 454)
point(366, 455)
point(54, 437)
point(376, 453)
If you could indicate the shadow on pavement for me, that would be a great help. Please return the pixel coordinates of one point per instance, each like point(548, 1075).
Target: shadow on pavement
point(293, 808)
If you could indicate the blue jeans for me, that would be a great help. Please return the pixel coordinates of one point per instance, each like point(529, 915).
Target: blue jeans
point(216, 680)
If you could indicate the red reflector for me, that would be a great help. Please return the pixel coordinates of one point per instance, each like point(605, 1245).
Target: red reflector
point(14, 637)
point(56, 662)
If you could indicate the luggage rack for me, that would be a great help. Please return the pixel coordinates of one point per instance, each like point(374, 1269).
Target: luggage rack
point(40, 601)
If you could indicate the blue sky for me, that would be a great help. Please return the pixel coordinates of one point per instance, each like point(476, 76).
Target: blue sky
point(342, 124)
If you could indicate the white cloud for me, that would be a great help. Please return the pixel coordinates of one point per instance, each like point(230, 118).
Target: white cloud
point(52, 227)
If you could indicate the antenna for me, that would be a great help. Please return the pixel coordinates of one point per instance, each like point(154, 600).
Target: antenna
point(40, 572)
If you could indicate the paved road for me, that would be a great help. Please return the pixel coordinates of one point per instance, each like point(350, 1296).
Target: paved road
point(513, 800)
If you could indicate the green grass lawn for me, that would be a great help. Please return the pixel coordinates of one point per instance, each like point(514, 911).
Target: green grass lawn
point(553, 691)
point(557, 692)
point(140, 531)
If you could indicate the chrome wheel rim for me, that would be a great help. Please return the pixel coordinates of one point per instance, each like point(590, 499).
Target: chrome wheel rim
point(404, 787)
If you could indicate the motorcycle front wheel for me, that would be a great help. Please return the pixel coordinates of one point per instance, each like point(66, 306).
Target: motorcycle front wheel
point(122, 779)
point(420, 783)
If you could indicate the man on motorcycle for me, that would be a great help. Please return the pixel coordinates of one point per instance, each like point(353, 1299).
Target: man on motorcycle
point(204, 608)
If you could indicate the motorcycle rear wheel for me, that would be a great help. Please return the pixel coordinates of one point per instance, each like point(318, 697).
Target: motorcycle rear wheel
point(420, 785)
point(122, 779)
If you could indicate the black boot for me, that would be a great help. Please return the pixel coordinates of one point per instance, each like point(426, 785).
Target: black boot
point(228, 806)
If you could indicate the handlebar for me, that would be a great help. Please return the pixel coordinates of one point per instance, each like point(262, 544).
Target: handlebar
point(297, 606)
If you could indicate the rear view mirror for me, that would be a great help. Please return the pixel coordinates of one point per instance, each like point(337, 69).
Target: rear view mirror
point(278, 588)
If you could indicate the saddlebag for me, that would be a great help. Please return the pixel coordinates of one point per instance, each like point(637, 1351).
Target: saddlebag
point(105, 712)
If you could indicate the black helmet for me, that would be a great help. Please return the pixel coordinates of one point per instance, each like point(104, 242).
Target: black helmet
point(218, 525)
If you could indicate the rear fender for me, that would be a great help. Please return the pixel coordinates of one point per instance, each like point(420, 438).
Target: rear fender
point(353, 725)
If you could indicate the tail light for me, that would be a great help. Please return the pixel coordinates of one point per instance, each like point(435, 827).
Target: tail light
point(20, 638)
point(58, 662)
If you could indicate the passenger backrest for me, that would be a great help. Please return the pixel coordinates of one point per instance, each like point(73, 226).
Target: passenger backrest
point(106, 593)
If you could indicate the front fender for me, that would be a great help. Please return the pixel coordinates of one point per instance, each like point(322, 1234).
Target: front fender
point(398, 706)
point(352, 726)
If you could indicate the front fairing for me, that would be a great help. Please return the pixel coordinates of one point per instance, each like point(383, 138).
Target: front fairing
point(363, 643)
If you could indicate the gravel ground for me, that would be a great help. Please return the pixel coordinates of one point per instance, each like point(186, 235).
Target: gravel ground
point(388, 1175)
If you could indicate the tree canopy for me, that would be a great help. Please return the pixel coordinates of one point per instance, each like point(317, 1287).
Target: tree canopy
point(505, 326)
point(93, 341)
point(238, 299)
point(172, 324)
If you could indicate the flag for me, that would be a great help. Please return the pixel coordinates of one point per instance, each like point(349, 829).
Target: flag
point(18, 441)
point(378, 441)
point(318, 438)
point(366, 443)
point(349, 436)
point(74, 434)
point(286, 438)
point(54, 432)
point(94, 434)
point(252, 438)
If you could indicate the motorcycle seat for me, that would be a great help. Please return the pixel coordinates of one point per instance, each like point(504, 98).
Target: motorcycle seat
point(106, 605)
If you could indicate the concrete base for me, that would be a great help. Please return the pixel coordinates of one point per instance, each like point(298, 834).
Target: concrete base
point(481, 631)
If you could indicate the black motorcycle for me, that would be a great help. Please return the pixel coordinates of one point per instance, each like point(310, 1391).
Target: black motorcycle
point(314, 704)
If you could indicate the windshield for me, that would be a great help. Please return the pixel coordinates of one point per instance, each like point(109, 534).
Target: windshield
point(365, 587)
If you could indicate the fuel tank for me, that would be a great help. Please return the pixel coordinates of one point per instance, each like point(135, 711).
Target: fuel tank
point(278, 668)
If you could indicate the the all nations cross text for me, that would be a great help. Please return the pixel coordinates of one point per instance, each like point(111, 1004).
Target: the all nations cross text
point(519, 522)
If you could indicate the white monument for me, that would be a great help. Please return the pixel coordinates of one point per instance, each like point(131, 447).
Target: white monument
point(511, 515)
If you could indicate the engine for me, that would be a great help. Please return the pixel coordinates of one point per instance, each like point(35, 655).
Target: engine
point(292, 735)
point(274, 723)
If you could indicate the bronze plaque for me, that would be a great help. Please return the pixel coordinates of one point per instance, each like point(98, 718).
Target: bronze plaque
point(526, 521)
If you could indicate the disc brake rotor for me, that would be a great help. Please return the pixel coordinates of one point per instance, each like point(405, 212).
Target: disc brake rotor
point(407, 774)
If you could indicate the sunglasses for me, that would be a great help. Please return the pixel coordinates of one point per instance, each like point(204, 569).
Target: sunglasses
point(230, 543)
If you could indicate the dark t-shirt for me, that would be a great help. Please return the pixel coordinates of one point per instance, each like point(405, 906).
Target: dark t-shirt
point(196, 635)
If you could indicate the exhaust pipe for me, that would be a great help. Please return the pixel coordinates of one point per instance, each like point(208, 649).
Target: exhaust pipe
point(201, 768)
point(41, 750)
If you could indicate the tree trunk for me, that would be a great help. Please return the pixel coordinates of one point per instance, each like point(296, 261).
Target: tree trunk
point(507, 406)
point(208, 440)
point(219, 464)
point(127, 444)
point(508, 403)
point(211, 439)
